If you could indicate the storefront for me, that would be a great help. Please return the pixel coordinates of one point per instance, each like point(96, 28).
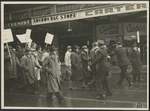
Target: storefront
point(88, 26)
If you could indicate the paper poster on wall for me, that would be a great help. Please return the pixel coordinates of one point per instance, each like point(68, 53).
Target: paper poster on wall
point(49, 38)
point(7, 36)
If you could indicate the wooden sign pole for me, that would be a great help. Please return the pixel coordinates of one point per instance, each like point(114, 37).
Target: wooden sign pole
point(9, 54)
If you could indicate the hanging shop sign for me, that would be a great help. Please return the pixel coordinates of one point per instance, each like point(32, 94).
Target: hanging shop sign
point(55, 18)
point(91, 12)
point(18, 24)
point(114, 29)
point(130, 29)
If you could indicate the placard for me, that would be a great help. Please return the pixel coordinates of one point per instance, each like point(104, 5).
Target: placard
point(49, 38)
point(7, 36)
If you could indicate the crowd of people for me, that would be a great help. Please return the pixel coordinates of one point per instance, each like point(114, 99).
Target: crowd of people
point(26, 68)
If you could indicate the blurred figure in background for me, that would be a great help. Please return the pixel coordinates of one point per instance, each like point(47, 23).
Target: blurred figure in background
point(10, 69)
point(136, 63)
point(67, 60)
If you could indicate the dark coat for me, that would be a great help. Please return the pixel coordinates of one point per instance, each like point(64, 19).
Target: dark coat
point(135, 59)
point(28, 64)
point(122, 57)
point(101, 62)
point(10, 71)
point(52, 70)
point(85, 59)
point(76, 67)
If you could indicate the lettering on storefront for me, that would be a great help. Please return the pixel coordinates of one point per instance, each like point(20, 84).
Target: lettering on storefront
point(113, 10)
point(108, 30)
point(132, 28)
point(18, 24)
point(55, 18)
point(93, 12)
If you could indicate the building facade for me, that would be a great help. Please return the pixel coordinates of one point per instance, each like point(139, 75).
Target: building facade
point(79, 24)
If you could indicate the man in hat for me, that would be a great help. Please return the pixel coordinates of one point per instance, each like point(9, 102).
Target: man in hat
point(68, 66)
point(51, 67)
point(123, 62)
point(102, 67)
point(76, 68)
point(93, 56)
point(28, 64)
point(85, 59)
point(10, 69)
point(135, 61)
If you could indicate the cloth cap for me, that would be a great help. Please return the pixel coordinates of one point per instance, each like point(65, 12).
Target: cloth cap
point(101, 42)
point(76, 47)
point(52, 48)
point(84, 47)
point(95, 44)
point(28, 49)
point(68, 47)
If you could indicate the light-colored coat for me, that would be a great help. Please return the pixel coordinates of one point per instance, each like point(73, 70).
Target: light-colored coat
point(52, 70)
point(28, 64)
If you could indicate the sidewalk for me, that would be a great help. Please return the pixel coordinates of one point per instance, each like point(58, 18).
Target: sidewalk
point(114, 69)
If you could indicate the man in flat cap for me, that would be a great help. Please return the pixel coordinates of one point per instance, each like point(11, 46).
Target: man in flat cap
point(76, 67)
point(28, 64)
point(102, 67)
point(85, 59)
point(67, 60)
point(93, 69)
point(136, 63)
point(123, 62)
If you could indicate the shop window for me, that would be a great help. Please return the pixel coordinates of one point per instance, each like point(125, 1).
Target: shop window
point(6, 18)
point(21, 15)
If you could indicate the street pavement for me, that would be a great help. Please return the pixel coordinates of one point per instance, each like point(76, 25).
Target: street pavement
point(123, 96)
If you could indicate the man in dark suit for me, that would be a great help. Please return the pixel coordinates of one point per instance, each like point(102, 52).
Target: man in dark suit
point(123, 62)
point(102, 68)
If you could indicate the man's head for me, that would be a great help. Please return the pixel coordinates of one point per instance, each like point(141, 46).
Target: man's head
point(53, 50)
point(28, 51)
point(101, 43)
point(85, 48)
point(94, 44)
point(76, 48)
point(69, 48)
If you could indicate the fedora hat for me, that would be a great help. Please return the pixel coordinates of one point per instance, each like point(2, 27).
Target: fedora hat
point(84, 47)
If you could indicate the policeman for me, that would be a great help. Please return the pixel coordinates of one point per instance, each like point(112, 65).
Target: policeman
point(102, 67)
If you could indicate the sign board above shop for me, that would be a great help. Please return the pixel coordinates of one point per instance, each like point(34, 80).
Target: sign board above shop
point(114, 29)
point(91, 12)
point(131, 28)
point(18, 24)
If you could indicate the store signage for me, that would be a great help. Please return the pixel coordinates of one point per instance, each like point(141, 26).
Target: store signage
point(114, 29)
point(18, 24)
point(124, 8)
point(88, 13)
point(54, 18)
point(132, 28)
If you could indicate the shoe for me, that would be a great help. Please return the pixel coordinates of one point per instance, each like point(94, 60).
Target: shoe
point(36, 93)
point(102, 97)
point(108, 94)
point(130, 84)
point(62, 101)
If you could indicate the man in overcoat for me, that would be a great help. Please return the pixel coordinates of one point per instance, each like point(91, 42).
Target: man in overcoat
point(102, 67)
point(76, 68)
point(28, 64)
point(52, 68)
point(85, 59)
point(123, 62)
point(10, 70)
point(136, 63)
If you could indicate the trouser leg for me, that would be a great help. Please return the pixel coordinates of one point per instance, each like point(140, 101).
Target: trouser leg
point(123, 73)
point(49, 97)
point(106, 85)
point(59, 97)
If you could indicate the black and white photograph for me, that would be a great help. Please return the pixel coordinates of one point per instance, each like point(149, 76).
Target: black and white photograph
point(75, 55)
